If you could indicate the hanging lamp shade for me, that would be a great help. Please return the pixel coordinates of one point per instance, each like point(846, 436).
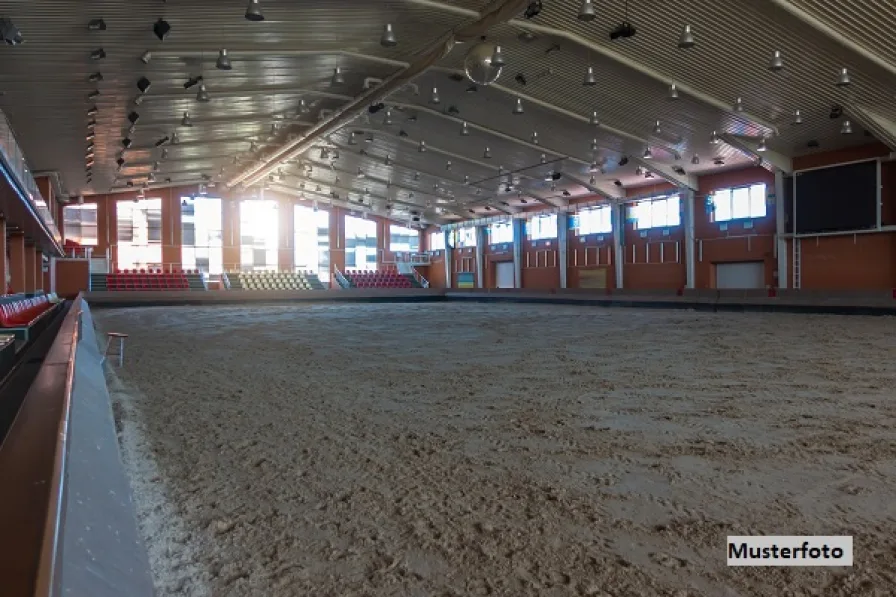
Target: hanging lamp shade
point(586, 11)
point(673, 91)
point(498, 58)
point(434, 98)
point(518, 108)
point(464, 129)
point(797, 117)
point(253, 11)
point(223, 62)
point(202, 94)
point(590, 79)
point(686, 39)
point(846, 128)
point(777, 62)
point(739, 105)
point(338, 77)
point(594, 120)
point(388, 39)
point(843, 79)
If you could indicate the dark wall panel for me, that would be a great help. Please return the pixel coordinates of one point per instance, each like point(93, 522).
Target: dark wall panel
point(837, 199)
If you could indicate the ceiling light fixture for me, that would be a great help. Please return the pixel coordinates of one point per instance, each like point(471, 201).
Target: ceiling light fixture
point(673, 91)
point(434, 97)
point(797, 117)
point(338, 77)
point(92, 111)
point(846, 128)
point(762, 146)
point(91, 136)
point(739, 105)
point(253, 11)
point(96, 25)
point(202, 95)
point(186, 120)
point(422, 147)
point(174, 139)
point(586, 11)
point(388, 39)
point(686, 40)
point(543, 159)
point(590, 80)
point(777, 62)
point(534, 137)
point(223, 62)
point(715, 139)
point(164, 152)
point(387, 119)
point(143, 84)
point(595, 121)
point(843, 80)
point(93, 95)
point(98, 54)
point(695, 160)
point(487, 154)
point(498, 58)
point(95, 77)
point(518, 108)
point(448, 165)
point(464, 129)
point(145, 57)
point(656, 128)
point(303, 107)
point(161, 28)
point(647, 153)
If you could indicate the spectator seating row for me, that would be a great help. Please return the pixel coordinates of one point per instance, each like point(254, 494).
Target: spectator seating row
point(24, 312)
point(174, 270)
point(274, 281)
point(154, 281)
point(380, 279)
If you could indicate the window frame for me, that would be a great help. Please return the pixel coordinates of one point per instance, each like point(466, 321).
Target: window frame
point(578, 228)
point(648, 207)
point(729, 211)
point(80, 208)
point(534, 235)
point(505, 225)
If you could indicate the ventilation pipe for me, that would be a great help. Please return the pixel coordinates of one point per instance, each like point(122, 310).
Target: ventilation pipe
point(501, 12)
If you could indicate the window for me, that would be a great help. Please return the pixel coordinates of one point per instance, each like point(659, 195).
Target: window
point(201, 234)
point(739, 203)
point(594, 220)
point(437, 241)
point(403, 240)
point(312, 241)
point(542, 227)
point(79, 224)
point(360, 243)
point(464, 237)
point(139, 233)
point(259, 235)
point(661, 212)
point(500, 232)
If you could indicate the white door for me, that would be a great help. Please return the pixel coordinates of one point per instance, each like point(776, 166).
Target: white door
point(747, 274)
point(504, 274)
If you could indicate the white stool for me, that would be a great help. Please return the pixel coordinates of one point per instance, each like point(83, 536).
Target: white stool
point(120, 353)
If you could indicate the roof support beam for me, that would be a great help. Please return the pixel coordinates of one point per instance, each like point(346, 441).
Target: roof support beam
point(665, 172)
point(880, 126)
point(768, 158)
point(608, 191)
point(835, 35)
point(300, 194)
point(500, 12)
point(607, 53)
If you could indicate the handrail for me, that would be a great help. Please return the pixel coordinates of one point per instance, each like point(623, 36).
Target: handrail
point(49, 572)
point(419, 277)
point(33, 464)
point(340, 278)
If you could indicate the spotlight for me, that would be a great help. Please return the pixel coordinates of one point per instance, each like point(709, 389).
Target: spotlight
point(586, 12)
point(92, 111)
point(95, 77)
point(126, 142)
point(162, 141)
point(186, 120)
point(98, 54)
point(133, 117)
point(161, 29)
point(146, 57)
point(521, 79)
point(223, 62)
point(91, 136)
point(10, 33)
point(202, 94)
point(533, 10)
point(93, 95)
point(687, 38)
point(91, 124)
point(338, 77)
point(623, 161)
point(617, 182)
point(96, 25)
point(143, 84)
point(253, 11)
point(120, 162)
point(164, 152)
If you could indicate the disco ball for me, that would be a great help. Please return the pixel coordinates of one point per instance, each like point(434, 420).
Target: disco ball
point(478, 64)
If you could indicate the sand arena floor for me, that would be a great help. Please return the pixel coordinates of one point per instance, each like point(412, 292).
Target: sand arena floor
point(461, 449)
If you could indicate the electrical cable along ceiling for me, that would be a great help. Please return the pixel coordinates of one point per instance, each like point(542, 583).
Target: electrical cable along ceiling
point(601, 94)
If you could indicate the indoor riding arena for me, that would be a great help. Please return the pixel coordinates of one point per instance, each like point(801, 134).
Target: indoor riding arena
point(446, 298)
